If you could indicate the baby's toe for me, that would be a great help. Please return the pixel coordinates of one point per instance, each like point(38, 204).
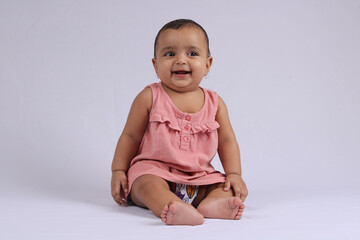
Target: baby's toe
point(238, 215)
point(164, 212)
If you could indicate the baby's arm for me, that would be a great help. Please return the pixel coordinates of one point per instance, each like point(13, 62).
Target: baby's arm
point(229, 153)
point(128, 144)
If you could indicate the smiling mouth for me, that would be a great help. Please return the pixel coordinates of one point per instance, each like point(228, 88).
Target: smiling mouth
point(181, 73)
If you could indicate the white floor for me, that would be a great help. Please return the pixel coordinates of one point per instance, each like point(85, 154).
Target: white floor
point(31, 215)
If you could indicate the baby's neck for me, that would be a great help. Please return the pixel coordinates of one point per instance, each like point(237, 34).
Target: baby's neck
point(187, 102)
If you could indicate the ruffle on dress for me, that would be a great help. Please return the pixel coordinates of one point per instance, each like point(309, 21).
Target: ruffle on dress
point(156, 117)
point(206, 127)
point(173, 124)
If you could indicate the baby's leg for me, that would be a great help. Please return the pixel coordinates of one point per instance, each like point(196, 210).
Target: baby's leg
point(221, 204)
point(153, 192)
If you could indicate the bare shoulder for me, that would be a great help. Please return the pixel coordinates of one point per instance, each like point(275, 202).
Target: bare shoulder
point(138, 115)
point(222, 109)
point(144, 99)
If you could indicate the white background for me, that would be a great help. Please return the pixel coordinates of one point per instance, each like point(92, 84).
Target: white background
point(289, 72)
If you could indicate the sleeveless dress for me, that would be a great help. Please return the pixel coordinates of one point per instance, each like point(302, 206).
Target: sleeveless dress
point(178, 146)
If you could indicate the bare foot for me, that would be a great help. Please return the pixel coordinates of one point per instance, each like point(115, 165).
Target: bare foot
point(177, 213)
point(224, 208)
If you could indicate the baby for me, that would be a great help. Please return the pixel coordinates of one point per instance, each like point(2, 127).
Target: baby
point(163, 157)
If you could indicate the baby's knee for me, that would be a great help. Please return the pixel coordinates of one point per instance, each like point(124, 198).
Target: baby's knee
point(148, 183)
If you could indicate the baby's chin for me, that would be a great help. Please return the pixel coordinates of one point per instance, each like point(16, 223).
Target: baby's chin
point(182, 86)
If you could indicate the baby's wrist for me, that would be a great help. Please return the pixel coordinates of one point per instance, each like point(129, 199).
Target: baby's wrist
point(238, 174)
point(117, 170)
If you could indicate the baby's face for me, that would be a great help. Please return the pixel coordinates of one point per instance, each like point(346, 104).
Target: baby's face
point(182, 58)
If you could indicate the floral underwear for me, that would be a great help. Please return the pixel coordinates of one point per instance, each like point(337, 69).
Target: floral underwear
point(187, 193)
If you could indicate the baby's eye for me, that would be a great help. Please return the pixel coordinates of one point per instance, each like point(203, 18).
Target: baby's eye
point(192, 54)
point(169, 54)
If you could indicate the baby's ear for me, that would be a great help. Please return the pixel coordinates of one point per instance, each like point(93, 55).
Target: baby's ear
point(209, 62)
point(154, 64)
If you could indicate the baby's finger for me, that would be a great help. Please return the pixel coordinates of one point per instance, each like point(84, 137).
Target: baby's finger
point(227, 186)
point(115, 192)
point(122, 196)
point(124, 186)
point(244, 194)
point(118, 200)
point(237, 191)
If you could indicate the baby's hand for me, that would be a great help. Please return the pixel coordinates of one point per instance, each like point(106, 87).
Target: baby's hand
point(237, 183)
point(119, 187)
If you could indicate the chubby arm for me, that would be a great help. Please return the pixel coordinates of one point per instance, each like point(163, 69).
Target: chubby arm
point(229, 153)
point(129, 142)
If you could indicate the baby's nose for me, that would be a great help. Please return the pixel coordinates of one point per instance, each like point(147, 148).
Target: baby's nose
point(180, 59)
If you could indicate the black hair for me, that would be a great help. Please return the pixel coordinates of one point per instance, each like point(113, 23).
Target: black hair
point(178, 24)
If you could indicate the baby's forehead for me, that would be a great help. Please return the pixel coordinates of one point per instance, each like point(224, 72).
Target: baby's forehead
point(186, 33)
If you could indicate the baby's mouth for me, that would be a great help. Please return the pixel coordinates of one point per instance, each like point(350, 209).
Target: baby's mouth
point(181, 73)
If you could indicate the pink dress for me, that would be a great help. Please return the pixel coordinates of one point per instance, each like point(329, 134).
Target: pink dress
point(178, 146)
